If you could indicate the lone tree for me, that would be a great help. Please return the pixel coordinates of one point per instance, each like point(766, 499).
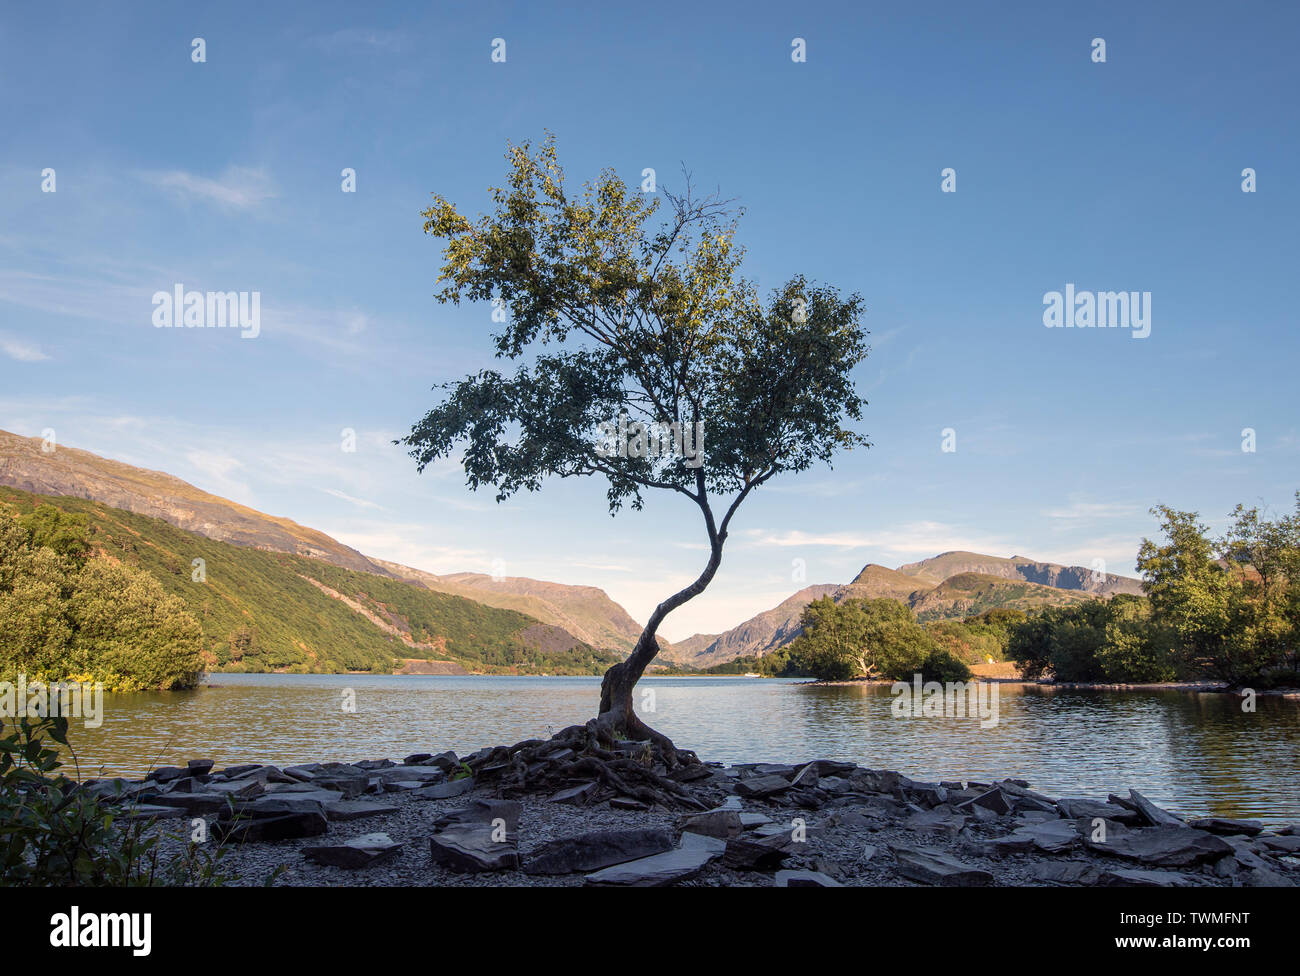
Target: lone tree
point(613, 309)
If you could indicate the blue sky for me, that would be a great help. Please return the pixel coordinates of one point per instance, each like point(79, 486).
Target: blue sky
point(225, 175)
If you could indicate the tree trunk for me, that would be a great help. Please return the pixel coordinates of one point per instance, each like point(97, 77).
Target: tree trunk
point(617, 718)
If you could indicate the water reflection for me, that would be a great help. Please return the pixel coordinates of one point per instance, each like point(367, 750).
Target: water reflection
point(1197, 753)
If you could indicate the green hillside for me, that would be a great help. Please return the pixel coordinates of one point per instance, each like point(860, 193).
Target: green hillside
point(261, 610)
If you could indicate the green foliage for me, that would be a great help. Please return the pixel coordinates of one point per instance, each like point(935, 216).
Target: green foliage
point(1115, 641)
point(66, 533)
point(66, 616)
point(612, 310)
point(969, 641)
point(942, 665)
point(861, 638)
point(54, 833)
point(1233, 604)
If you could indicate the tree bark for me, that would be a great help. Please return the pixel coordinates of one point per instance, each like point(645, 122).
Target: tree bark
point(617, 718)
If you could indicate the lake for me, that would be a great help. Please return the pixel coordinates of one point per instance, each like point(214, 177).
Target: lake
point(1197, 753)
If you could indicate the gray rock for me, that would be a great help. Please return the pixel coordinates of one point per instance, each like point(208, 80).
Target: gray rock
point(750, 853)
point(715, 823)
point(1153, 814)
point(1168, 847)
point(1137, 878)
point(473, 848)
point(1078, 808)
point(1066, 872)
point(441, 791)
point(994, 800)
point(406, 774)
point(595, 850)
point(1227, 827)
point(195, 804)
point(934, 867)
point(359, 852)
point(627, 803)
point(805, 879)
point(762, 785)
point(286, 826)
point(692, 841)
point(483, 811)
point(656, 871)
point(342, 811)
point(806, 778)
point(1288, 844)
point(574, 795)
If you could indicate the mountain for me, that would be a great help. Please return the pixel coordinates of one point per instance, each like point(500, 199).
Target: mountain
point(971, 593)
point(586, 612)
point(80, 474)
point(945, 587)
point(261, 610)
point(946, 565)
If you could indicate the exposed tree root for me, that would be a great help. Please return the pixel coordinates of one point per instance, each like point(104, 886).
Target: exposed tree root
point(601, 753)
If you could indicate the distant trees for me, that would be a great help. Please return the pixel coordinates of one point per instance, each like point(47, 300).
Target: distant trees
point(877, 638)
point(1114, 640)
point(1226, 609)
point(1233, 603)
point(65, 615)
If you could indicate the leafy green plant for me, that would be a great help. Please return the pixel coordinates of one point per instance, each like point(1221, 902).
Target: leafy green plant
point(54, 832)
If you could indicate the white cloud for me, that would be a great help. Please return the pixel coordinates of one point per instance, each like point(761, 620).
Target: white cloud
point(238, 187)
point(359, 502)
point(21, 349)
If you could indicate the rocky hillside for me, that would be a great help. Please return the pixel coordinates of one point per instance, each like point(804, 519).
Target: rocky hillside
point(946, 565)
point(80, 474)
point(970, 593)
point(586, 612)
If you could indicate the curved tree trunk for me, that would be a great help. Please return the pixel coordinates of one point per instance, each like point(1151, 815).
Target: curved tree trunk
point(617, 718)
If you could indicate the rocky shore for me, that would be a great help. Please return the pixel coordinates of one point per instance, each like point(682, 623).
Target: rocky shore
point(530, 814)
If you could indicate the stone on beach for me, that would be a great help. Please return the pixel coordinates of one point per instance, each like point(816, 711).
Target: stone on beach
point(595, 850)
point(934, 867)
point(359, 852)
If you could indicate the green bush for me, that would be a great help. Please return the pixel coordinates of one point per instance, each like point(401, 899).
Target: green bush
point(64, 615)
point(943, 665)
point(55, 833)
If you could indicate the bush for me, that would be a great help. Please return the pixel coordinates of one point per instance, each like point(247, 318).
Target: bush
point(943, 665)
point(55, 833)
point(63, 613)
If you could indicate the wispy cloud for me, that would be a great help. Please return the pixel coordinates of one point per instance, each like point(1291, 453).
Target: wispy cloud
point(913, 538)
point(237, 188)
point(21, 349)
point(1078, 509)
point(359, 502)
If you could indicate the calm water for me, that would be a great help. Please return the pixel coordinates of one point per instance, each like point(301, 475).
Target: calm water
point(1198, 753)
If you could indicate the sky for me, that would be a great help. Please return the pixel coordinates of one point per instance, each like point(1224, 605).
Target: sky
point(226, 175)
